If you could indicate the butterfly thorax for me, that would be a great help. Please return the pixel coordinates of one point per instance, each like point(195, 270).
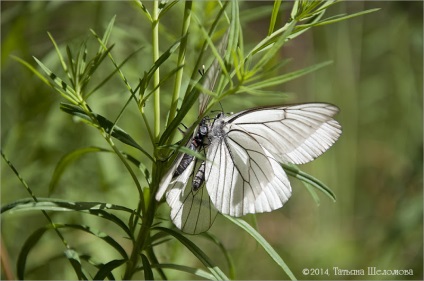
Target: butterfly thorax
point(218, 129)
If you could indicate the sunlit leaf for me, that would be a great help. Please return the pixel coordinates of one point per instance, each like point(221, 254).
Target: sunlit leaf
point(293, 171)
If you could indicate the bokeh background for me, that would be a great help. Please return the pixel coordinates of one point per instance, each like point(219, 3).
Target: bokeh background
point(375, 169)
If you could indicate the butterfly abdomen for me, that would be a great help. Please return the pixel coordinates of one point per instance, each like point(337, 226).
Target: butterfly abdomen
point(199, 178)
point(197, 142)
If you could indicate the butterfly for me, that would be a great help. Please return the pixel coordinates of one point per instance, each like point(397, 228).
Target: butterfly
point(242, 172)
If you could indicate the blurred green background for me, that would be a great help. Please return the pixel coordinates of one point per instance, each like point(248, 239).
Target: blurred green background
point(375, 169)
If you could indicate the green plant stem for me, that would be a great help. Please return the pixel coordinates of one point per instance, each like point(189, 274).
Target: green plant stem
point(146, 225)
point(181, 60)
point(156, 77)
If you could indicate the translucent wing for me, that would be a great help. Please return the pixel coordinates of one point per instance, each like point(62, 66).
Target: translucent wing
point(191, 211)
point(243, 174)
point(292, 134)
point(212, 74)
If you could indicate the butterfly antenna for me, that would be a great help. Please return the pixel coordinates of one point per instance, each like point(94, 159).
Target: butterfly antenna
point(222, 108)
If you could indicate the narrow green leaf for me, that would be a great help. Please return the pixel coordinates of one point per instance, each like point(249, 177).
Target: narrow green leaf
point(53, 204)
point(316, 17)
point(184, 149)
point(267, 247)
point(148, 273)
point(192, 270)
point(106, 52)
point(152, 257)
point(295, 9)
point(118, 68)
point(59, 54)
point(33, 70)
point(80, 63)
point(274, 16)
point(158, 236)
point(106, 269)
point(67, 160)
point(215, 270)
point(107, 33)
point(101, 235)
point(293, 171)
point(264, 93)
point(71, 64)
point(313, 193)
point(29, 243)
point(144, 9)
point(139, 165)
point(273, 42)
point(117, 132)
point(33, 239)
point(76, 111)
point(340, 18)
point(48, 204)
point(106, 124)
point(61, 86)
point(93, 64)
point(278, 80)
point(166, 8)
point(73, 257)
point(169, 75)
point(251, 77)
point(274, 45)
point(164, 57)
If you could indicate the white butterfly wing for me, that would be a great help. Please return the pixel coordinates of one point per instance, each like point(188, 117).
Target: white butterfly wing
point(292, 134)
point(243, 174)
point(242, 177)
point(191, 211)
